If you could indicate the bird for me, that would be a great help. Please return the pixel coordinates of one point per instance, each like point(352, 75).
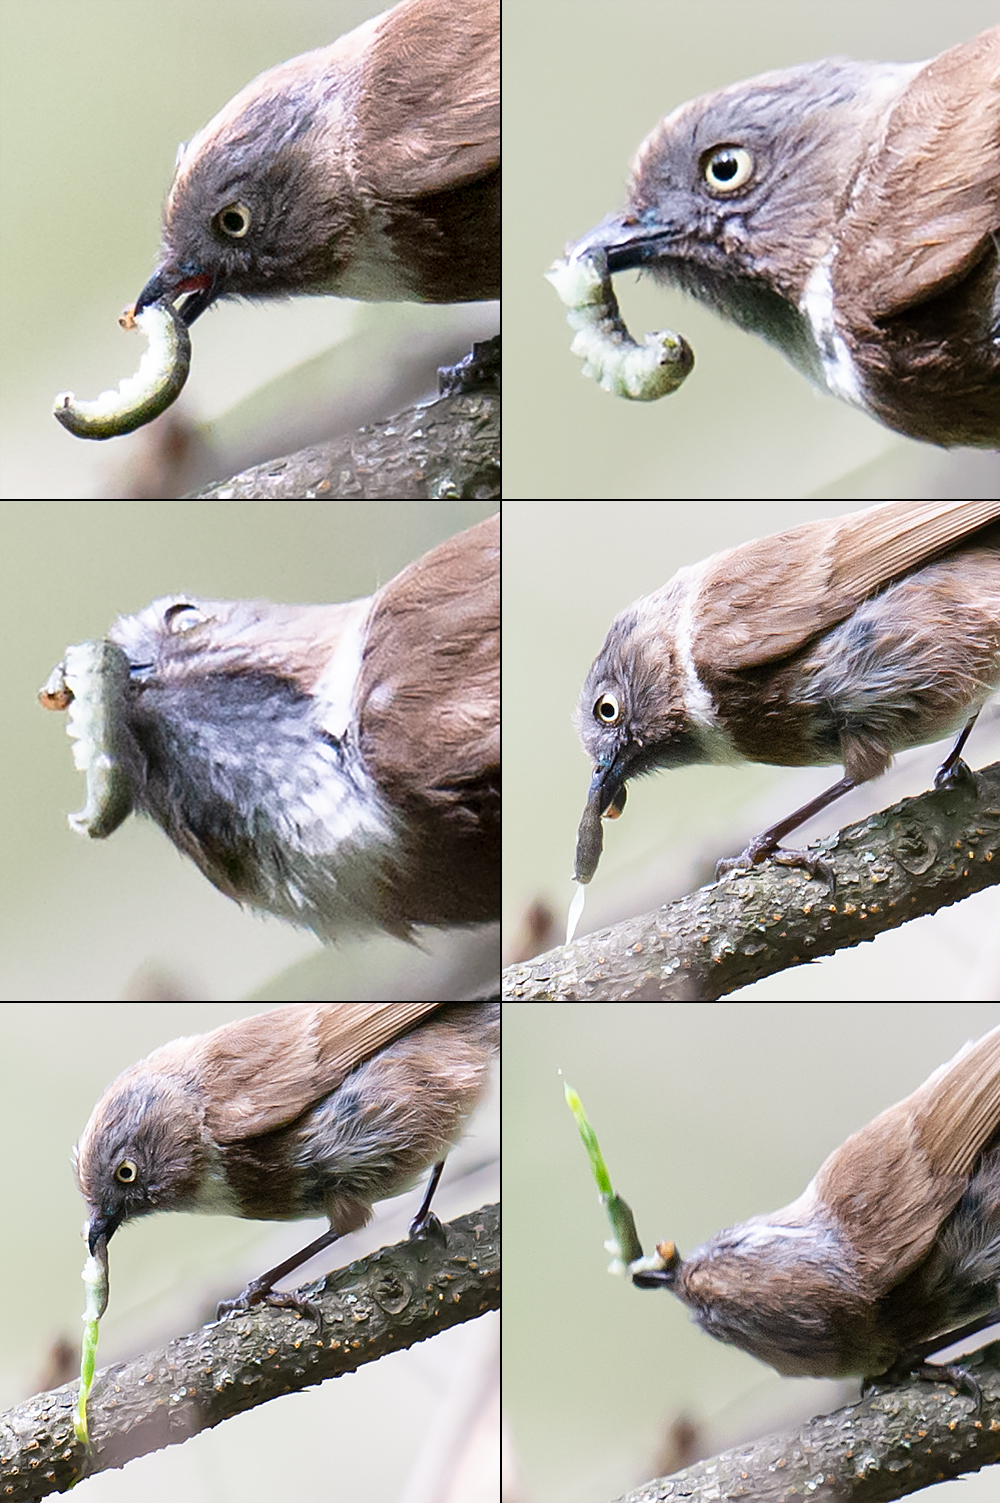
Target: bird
point(366, 169)
point(848, 212)
point(295, 1112)
point(336, 765)
point(846, 639)
point(891, 1253)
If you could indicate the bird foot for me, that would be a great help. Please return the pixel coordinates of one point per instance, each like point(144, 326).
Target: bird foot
point(951, 776)
point(258, 1294)
point(477, 371)
point(426, 1227)
point(756, 853)
point(952, 1373)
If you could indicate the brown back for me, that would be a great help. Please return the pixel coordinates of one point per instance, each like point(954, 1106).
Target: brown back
point(265, 1070)
point(893, 1183)
point(912, 229)
point(766, 599)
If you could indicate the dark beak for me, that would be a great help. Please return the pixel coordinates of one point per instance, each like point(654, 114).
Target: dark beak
point(100, 1230)
point(627, 240)
point(169, 281)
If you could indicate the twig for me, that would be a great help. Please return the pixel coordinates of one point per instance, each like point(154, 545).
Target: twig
point(384, 1303)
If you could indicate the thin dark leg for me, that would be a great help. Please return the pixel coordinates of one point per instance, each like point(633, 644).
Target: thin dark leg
point(260, 1289)
point(765, 845)
point(425, 1221)
point(953, 769)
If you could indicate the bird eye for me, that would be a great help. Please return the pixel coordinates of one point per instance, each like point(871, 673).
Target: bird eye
point(233, 221)
point(183, 617)
point(727, 168)
point(607, 710)
point(127, 1172)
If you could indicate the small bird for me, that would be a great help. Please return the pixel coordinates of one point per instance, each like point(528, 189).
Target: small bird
point(842, 640)
point(849, 212)
point(337, 765)
point(892, 1251)
point(367, 169)
point(297, 1112)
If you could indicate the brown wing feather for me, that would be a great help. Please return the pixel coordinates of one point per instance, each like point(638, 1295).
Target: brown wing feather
point(430, 715)
point(893, 1183)
point(924, 211)
point(429, 109)
point(765, 599)
point(265, 1070)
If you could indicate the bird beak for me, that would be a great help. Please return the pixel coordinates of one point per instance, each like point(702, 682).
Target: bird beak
point(169, 281)
point(99, 1231)
point(607, 792)
point(626, 239)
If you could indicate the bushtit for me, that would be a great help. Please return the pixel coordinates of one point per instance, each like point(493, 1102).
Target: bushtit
point(338, 765)
point(367, 169)
point(892, 1251)
point(849, 212)
point(298, 1112)
point(843, 640)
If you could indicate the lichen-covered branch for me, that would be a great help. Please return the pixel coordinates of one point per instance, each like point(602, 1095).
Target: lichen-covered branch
point(384, 1303)
point(902, 863)
point(889, 1445)
point(447, 450)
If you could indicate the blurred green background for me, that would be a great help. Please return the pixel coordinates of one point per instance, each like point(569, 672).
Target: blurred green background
point(584, 82)
point(706, 1115)
point(95, 96)
point(168, 1272)
point(96, 919)
point(569, 568)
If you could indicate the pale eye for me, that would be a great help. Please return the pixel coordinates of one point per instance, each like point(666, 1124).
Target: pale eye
point(726, 169)
point(127, 1172)
point(183, 617)
point(233, 221)
point(607, 710)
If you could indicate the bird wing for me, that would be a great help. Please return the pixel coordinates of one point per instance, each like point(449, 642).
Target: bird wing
point(428, 112)
point(894, 1182)
point(263, 1071)
point(934, 181)
point(765, 599)
point(429, 718)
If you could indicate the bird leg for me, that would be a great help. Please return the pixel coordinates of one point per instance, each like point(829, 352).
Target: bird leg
point(259, 1290)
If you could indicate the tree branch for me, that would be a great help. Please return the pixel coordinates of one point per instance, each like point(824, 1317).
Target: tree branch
point(443, 450)
point(909, 860)
point(384, 1303)
point(889, 1445)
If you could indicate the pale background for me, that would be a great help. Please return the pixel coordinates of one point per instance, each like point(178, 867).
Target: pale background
point(364, 1438)
point(585, 81)
point(96, 919)
point(95, 96)
point(570, 567)
point(706, 1115)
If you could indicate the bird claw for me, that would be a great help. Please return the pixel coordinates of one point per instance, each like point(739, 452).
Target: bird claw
point(477, 371)
point(280, 1299)
point(426, 1227)
point(754, 854)
point(954, 775)
point(929, 1372)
